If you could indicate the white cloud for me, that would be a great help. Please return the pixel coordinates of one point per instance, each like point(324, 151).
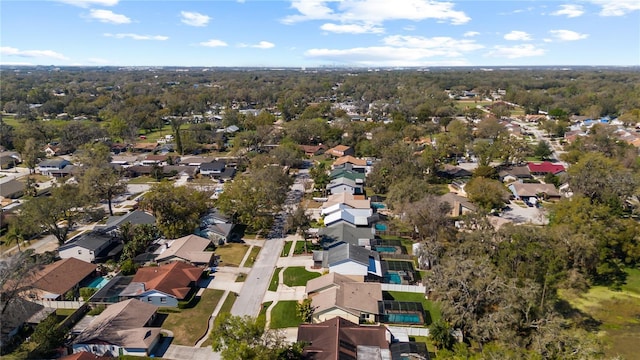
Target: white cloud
point(89, 3)
point(194, 19)
point(617, 7)
point(352, 28)
point(471, 34)
point(517, 36)
point(570, 11)
point(409, 28)
point(399, 50)
point(137, 36)
point(11, 51)
point(213, 43)
point(108, 16)
point(567, 35)
point(260, 45)
point(514, 52)
point(375, 11)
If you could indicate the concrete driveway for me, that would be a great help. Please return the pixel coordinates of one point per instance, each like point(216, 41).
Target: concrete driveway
point(525, 215)
point(179, 352)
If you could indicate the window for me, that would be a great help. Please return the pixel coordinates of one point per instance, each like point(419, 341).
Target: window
point(149, 299)
point(80, 252)
point(163, 300)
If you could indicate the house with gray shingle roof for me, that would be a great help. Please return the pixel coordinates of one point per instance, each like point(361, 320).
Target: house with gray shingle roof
point(347, 259)
point(92, 247)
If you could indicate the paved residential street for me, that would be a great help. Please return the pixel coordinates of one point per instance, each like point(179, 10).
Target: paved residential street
point(255, 286)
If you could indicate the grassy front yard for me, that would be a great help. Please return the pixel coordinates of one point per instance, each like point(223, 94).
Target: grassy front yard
point(287, 248)
point(252, 256)
point(432, 308)
point(231, 254)
point(283, 315)
point(189, 325)
point(298, 276)
point(273, 285)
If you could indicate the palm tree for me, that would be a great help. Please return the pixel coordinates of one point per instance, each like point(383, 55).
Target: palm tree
point(14, 234)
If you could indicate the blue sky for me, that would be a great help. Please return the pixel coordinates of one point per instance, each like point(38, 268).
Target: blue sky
point(296, 33)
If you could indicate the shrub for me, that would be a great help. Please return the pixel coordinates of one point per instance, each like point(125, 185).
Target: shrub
point(86, 293)
point(97, 310)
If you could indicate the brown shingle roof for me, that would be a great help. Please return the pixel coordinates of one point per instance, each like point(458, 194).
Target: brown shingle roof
point(339, 338)
point(190, 248)
point(327, 281)
point(350, 159)
point(353, 297)
point(63, 275)
point(172, 279)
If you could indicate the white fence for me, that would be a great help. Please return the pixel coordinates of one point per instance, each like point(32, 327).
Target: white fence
point(59, 304)
point(410, 331)
point(421, 289)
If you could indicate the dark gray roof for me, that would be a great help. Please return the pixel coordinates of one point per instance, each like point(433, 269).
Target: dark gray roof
point(216, 165)
point(91, 241)
point(344, 251)
point(53, 162)
point(135, 218)
point(343, 232)
point(11, 187)
point(17, 313)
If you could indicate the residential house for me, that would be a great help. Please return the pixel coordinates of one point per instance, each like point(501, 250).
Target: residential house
point(139, 170)
point(92, 247)
point(354, 301)
point(124, 160)
point(136, 217)
point(55, 149)
point(144, 147)
point(195, 160)
point(338, 339)
point(340, 150)
point(12, 189)
point(53, 281)
point(190, 249)
point(217, 227)
point(164, 285)
point(460, 205)
point(344, 213)
point(180, 170)
point(123, 328)
point(344, 232)
point(356, 164)
point(513, 173)
point(19, 312)
point(530, 191)
point(545, 167)
point(46, 166)
point(353, 201)
point(340, 185)
point(212, 168)
point(9, 159)
point(329, 281)
point(348, 259)
point(159, 160)
point(453, 172)
point(313, 150)
point(349, 174)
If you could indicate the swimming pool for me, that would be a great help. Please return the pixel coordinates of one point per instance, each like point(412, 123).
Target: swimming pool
point(381, 227)
point(393, 278)
point(404, 318)
point(98, 282)
point(378, 205)
point(386, 249)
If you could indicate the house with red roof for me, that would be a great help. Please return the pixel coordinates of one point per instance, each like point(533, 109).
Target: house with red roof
point(545, 167)
point(164, 285)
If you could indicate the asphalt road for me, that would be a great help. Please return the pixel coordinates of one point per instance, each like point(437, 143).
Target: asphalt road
point(255, 286)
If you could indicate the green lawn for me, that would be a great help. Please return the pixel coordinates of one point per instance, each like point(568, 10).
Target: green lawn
point(252, 256)
point(299, 249)
point(262, 316)
point(283, 315)
point(189, 325)
point(298, 276)
point(618, 314)
point(287, 248)
point(273, 285)
point(431, 307)
point(231, 254)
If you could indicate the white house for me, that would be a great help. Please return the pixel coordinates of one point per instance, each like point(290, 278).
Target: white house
point(91, 247)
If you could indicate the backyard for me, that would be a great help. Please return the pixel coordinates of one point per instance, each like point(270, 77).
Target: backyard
point(189, 325)
point(618, 313)
point(431, 308)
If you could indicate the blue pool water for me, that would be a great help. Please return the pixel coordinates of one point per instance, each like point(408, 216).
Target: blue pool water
point(98, 282)
point(381, 227)
point(404, 318)
point(393, 278)
point(386, 249)
point(378, 205)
